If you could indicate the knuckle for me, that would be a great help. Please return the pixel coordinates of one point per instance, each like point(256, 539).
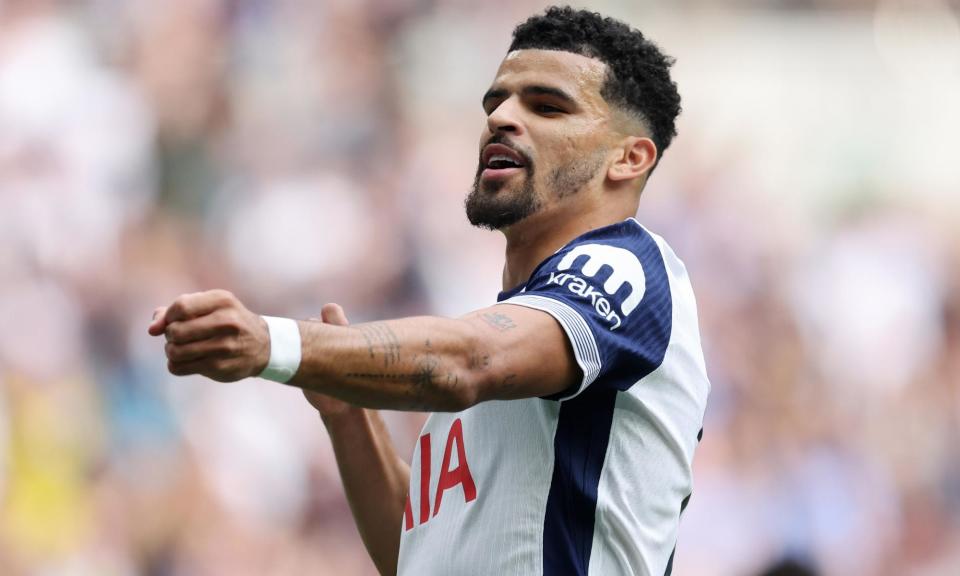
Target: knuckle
point(230, 345)
point(224, 296)
point(178, 333)
point(220, 366)
point(232, 321)
point(177, 353)
point(176, 369)
point(179, 306)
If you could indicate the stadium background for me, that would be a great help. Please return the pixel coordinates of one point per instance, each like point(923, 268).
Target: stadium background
point(301, 152)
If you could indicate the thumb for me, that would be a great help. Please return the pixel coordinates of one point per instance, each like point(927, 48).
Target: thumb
point(333, 314)
point(158, 324)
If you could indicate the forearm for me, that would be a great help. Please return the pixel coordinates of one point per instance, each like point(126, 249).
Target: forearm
point(375, 481)
point(422, 363)
point(426, 363)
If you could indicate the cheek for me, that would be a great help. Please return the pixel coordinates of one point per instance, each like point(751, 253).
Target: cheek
point(572, 141)
point(581, 137)
point(573, 147)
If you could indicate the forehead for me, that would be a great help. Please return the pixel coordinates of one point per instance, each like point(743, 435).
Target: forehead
point(580, 76)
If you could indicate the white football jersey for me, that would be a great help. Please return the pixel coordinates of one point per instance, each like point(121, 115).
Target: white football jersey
point(593, 480)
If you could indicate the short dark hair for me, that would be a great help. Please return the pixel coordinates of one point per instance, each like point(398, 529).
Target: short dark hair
point(638, 78)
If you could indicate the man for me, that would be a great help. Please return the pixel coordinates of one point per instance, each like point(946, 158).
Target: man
point(565, 416)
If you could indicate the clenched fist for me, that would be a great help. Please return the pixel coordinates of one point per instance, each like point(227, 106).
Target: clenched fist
point(212, 333)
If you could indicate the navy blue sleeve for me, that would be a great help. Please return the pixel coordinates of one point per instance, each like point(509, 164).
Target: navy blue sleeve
point(610, 292)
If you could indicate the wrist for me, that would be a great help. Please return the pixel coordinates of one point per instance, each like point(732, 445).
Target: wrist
point(285, 349)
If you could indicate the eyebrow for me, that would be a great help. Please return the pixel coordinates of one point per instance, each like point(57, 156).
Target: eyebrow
point(535, 90)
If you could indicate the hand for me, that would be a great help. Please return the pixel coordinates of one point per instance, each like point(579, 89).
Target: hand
point(328, 405)
point(212, 334)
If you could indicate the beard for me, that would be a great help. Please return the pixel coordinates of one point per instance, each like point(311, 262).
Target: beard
point(570, 178)
point(487, 208)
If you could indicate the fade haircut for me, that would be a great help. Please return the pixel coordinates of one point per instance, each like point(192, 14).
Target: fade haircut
point(638, 73)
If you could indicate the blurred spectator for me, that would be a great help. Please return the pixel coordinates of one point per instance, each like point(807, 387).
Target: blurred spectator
point(789, 567)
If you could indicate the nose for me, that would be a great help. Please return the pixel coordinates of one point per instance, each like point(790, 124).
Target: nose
point(505, 118)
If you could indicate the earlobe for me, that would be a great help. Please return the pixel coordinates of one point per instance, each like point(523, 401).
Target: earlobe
point(637, 157)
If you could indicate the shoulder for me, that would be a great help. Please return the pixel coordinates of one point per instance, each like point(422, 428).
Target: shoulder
point(611, 291)
point(629, 250)
point(624, 260)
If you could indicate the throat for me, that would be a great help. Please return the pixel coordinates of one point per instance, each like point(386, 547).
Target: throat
point(540, 235)
point(527, 246)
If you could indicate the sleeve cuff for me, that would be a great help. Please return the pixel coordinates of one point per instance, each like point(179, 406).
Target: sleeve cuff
point(578, 333)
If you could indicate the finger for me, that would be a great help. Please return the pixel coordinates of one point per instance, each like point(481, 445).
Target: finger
point(204, 349)
point(202, 366)
point(157, 324)
point(219, 323)
point(188, 306)
point(334, 314)
point(184, 368)
point(219, 369)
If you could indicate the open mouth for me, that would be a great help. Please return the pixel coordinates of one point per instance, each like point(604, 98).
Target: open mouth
point(500, 161)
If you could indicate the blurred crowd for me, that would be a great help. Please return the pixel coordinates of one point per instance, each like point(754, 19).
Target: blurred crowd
point(300, 152)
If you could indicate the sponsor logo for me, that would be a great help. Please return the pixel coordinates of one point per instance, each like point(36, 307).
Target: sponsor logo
point(624, 267)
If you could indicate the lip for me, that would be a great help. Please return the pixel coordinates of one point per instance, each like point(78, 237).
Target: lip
point(499, 173)
point(501, 150)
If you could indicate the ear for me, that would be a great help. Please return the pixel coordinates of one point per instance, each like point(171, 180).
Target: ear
point(637, 155)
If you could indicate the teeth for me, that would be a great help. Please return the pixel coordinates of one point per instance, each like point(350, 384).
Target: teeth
point(501, 158)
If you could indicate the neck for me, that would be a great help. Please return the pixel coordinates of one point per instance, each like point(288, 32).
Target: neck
point(538, 236)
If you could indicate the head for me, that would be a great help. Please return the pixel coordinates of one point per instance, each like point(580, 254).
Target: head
point(580, 111)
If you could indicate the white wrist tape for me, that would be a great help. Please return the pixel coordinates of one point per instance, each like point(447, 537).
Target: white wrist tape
point(284, 349)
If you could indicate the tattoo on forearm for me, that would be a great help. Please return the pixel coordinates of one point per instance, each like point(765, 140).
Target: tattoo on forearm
point(453, 381)
point(393, 377)
point(477, 361)
point(498, 320)
point(423, 374)
point(381, 338)
point(426, 370)
point(421, 378)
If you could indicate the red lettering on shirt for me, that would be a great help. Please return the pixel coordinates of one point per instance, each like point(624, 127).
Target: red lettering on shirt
point(407, 515)
point(424, 478)
point(460, 474)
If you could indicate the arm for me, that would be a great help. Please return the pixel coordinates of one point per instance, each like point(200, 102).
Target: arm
point(375, 479)
point(430, 363)
point(423, 363)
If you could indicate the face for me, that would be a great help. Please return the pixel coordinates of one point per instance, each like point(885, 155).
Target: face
point(546, 138)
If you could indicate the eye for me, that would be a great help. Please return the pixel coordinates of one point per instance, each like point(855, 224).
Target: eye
point(547, 109)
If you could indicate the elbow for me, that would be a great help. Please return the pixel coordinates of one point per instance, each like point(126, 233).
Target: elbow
point(459, 390)
point(457, 394)
point(464, 384)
